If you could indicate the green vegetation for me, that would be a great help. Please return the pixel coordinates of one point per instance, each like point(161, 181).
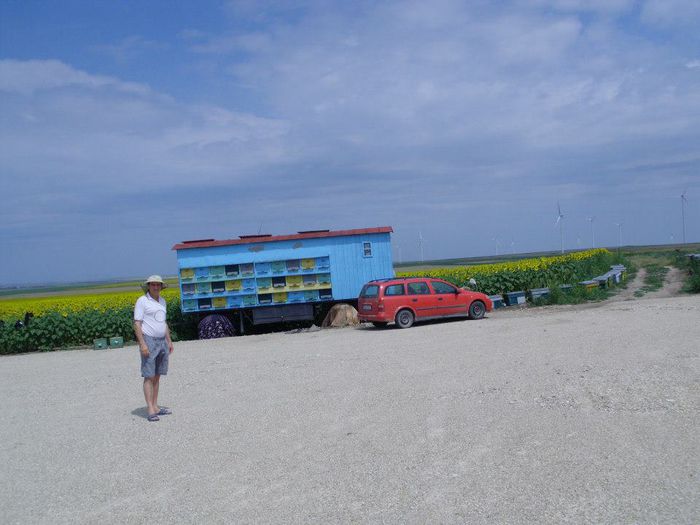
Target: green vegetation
point(653, 280)
point(691, 269)
point(78, 288)
point(527, 273)
point(577, 295)
point(70, 316)
point(54, 330)
point(656, 260)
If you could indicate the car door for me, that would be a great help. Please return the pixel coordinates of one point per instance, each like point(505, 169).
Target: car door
point(368, 300)
point(447, 299)
point(394, 299)
point(421, 298)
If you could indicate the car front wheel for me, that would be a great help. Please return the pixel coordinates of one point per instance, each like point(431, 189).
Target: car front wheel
point(404, 319)
point(477, 310)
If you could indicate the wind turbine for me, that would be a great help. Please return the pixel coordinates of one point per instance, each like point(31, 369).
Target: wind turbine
point(683, 202)
point(561, 227)
point(420, 245)
point(398, 251)
point(591, 219)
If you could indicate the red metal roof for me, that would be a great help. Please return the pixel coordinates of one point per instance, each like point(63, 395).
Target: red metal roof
point(251, 239)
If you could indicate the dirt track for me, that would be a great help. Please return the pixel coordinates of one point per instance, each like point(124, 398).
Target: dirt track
point(580, 414)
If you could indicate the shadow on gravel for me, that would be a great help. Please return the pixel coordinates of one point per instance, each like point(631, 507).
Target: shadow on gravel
point(141, 412)
point(371, 328)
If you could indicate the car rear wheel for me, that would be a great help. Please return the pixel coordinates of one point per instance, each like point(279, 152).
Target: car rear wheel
point(477, 310)
point(380, 324)
point(404, 319)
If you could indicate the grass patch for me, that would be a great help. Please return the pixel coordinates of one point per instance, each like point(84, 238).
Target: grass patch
point(653, 280)
point(692, 285)
point(576, 295)
point(691, 270)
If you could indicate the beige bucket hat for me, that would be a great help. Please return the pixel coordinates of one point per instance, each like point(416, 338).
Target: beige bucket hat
point(154, 279)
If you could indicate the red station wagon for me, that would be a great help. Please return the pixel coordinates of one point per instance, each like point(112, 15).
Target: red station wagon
point(409, 299)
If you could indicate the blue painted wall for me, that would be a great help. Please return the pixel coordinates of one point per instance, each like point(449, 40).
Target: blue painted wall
point(350, 268)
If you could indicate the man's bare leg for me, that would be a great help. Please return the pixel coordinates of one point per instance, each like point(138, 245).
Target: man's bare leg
point(156, 384)
point(148, 390)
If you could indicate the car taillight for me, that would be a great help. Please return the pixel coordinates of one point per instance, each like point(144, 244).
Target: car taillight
point(380, 306)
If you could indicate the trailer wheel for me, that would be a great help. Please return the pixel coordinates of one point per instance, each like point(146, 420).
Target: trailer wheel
point(214, 326)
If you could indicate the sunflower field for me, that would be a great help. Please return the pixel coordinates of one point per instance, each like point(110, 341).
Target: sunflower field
point(12, 309)
point(525, 274)
point(74, 320)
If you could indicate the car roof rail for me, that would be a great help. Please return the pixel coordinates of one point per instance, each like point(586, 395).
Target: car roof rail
point(396, 279)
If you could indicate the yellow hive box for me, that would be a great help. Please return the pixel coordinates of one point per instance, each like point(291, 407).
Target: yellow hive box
point(294, 281)
point(219, 302)
point(233, 286)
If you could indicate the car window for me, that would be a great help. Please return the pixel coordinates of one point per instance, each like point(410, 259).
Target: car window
point(420, 288)
point(394, 289)
point(370, 290)
point(441, 287)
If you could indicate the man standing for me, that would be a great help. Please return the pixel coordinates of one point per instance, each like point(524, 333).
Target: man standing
point(153, 335)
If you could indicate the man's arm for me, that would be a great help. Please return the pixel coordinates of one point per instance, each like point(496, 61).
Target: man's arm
point(139, 337)
point(167, 338)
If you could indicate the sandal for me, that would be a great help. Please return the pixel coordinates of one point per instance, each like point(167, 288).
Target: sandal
point(153, 417)
point(164, 411)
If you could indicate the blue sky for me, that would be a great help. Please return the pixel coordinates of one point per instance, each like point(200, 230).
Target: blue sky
point(126, 127)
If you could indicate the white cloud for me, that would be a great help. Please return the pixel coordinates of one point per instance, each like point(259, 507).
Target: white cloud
point(130, 47)
point(519, 78)
point(83, 126)
point(467, 103)
point(26, 77)
point(599, 6)
point(229, 44)
point(520, 39)
point(667, 13)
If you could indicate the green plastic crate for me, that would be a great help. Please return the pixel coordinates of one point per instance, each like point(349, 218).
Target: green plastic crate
point(116, 342)
point(100, 344)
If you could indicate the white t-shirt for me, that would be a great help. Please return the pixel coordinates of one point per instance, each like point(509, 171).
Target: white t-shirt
point(152, 315)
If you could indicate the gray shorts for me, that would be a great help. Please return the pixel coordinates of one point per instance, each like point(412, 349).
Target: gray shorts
point(158, 356)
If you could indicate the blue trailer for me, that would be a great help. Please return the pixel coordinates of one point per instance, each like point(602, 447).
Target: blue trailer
point(269, 279)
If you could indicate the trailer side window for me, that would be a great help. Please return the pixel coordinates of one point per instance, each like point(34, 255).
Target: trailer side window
point(367, 249)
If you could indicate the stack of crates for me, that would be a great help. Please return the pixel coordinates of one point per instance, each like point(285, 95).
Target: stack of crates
point(513, 298)
point(603, 280)
point(619, 272)
point(497, 301)
point(589, 285)
point(539, 293)
point(103, 343)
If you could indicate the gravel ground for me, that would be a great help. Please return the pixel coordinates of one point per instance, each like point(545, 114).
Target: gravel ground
point(545, 415)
